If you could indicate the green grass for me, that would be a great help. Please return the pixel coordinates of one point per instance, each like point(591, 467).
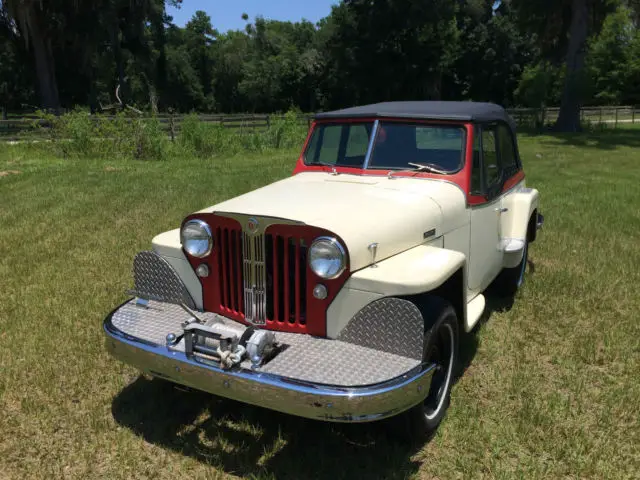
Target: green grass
point(551, 388)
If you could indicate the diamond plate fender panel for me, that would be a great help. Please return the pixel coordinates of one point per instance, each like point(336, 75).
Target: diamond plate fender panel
point(391, 325)
point(154, 278)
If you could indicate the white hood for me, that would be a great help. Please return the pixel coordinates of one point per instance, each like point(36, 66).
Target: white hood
point(394, 213)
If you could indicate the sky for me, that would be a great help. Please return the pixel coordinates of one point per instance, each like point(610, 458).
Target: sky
point(226, 14)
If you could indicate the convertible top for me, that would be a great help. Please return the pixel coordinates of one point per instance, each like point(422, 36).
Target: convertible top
point(464, 111)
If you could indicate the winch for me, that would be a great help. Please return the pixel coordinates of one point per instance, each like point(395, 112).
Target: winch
point(228, 344)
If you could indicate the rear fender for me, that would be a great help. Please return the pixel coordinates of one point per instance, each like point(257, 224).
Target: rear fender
point(514, 223)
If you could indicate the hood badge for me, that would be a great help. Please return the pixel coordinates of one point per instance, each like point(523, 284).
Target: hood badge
point(252, 225)
point(373, 249)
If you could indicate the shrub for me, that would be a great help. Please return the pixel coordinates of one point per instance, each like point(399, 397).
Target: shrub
point(79, 135)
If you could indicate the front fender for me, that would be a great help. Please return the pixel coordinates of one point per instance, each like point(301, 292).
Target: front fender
point(417, 270)
point(420, 269)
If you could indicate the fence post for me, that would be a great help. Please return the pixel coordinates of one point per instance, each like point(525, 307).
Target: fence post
point(600, 122)
point(633, 114)
point(268, 122)
point(616, 122)
point(172, 125)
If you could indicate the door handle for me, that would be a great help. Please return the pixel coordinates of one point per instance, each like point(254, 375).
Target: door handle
point(501, 209)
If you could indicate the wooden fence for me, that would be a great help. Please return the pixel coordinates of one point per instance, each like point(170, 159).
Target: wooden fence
point(16, 127)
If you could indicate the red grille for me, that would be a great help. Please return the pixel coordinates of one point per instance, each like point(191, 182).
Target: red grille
point(288, 283)
point(285, 258)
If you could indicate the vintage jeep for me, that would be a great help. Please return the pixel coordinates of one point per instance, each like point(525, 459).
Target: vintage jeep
point(340, 293)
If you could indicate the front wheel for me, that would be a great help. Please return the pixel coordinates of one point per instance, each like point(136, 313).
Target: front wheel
point(440, 350)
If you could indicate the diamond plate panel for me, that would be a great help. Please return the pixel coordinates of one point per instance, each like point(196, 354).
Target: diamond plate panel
point(155, 278)
point(391, 325)
point(307, 358)
point(333, 362)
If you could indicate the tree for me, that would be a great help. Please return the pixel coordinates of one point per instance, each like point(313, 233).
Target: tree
point(561, 29)
point(36, 23)
point(388, 50)
point(613, 60)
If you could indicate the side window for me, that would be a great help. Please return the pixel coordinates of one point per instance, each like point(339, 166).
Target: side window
point(492, 171)
point(508, 157)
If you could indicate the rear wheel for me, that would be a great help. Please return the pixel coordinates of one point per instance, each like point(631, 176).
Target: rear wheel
point(440, 350)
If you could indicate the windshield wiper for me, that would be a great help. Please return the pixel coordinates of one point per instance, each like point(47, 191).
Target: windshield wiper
point(420, 167)
point(324, 164)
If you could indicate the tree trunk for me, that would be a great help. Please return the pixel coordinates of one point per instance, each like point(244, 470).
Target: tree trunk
point(569, 115)
point(45, 69)
point(117, 53)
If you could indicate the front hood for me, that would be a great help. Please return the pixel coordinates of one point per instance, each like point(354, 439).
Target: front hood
point(397, 214)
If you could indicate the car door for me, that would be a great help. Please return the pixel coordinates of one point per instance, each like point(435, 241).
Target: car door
point(485, 253)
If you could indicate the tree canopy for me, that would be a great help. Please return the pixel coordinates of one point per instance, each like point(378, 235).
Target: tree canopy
point(512, 52)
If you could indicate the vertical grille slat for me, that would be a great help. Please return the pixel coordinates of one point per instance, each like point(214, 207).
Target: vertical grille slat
point(287, 280)
point(238, 262)
point(297, 278)
point(229, 261)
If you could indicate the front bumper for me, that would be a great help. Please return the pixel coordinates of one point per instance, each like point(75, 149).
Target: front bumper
point(288, 395)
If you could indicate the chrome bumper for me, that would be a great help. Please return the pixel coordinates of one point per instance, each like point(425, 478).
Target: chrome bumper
point(304, 399)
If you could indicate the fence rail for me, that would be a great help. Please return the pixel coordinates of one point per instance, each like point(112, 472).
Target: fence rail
point(16, 127)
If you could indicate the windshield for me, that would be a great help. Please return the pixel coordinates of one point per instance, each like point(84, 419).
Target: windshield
point(396, 146)
point(339, 144)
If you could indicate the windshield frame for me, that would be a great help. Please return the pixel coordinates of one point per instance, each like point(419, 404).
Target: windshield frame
point(366, 164)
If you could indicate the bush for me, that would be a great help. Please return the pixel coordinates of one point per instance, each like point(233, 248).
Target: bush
point(80, 135)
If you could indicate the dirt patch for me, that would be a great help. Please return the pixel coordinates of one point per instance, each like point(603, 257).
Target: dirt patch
point(109, 168)
point(6, 173)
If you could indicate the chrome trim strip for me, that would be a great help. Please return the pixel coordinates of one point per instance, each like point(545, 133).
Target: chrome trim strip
point(367, 156)
point(304, 399)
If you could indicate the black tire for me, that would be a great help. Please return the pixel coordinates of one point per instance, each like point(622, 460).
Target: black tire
point(511, 279)
point(441, 348)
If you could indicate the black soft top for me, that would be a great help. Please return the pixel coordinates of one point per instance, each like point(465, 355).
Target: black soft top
point(463, 111)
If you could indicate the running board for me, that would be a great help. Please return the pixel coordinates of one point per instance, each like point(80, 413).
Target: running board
point(475, 308)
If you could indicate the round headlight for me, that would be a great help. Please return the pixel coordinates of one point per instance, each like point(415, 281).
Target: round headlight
point(327, 257)
point(196, 238)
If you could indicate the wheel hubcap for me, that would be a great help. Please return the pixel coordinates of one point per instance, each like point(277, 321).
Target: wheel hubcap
point(441, 354)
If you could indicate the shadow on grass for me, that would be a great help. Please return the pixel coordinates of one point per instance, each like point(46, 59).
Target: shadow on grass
point(246, 440)
point(608, 139)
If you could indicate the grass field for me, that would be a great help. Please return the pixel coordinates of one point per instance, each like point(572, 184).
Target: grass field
point(551, 387)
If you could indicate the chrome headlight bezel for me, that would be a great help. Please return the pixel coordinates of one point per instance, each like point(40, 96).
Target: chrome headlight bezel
point(206, 235)
point(340, 254)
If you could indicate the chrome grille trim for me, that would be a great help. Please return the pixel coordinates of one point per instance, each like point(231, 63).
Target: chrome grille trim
point(255, 278)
